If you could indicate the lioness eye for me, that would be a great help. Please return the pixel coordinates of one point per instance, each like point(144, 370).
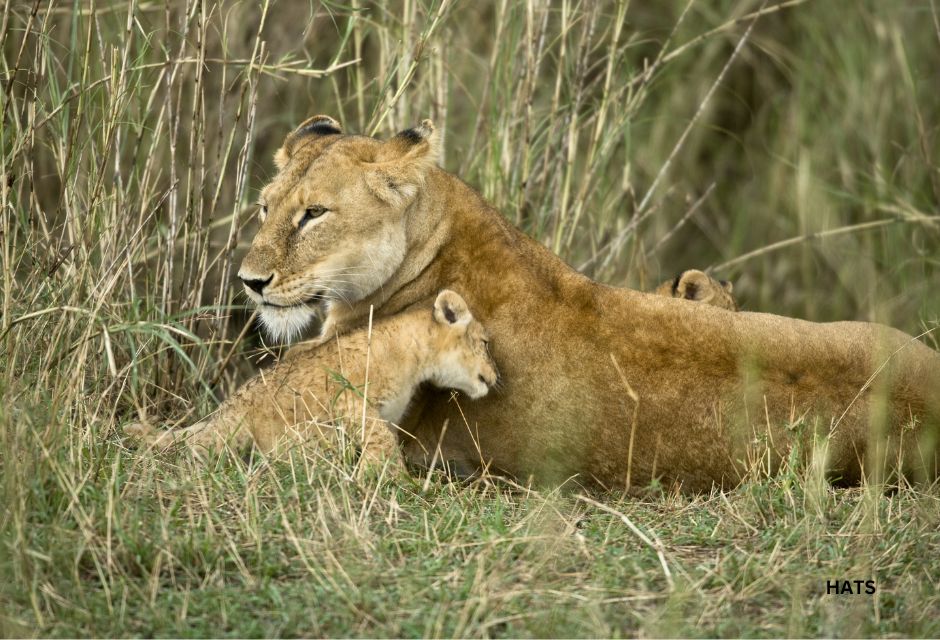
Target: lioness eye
point(311, 213)
point(264, 212)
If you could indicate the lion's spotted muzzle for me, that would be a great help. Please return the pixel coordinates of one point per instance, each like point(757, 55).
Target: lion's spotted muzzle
point(316, 299)
point(259, 291)
point(283, 315)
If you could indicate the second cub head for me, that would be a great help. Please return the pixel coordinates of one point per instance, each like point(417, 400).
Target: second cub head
point(698, 286)
point(462, 359)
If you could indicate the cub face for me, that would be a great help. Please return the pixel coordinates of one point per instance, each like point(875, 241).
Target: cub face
point(698, 286)
point(332, 221)
point(460, 348)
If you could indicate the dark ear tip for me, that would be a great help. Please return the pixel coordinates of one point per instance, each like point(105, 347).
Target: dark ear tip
point(411, 136)
point(319, 125)
point(417, 134)
point(675, 283)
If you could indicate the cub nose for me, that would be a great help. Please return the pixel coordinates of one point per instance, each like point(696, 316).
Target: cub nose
point(256, 284)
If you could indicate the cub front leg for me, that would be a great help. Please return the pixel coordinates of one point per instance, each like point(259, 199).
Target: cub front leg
point(205, 437)
point(379, 444)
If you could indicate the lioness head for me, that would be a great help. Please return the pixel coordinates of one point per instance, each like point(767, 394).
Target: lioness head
point(459, 347)
point(332, 220)
point(700, 287)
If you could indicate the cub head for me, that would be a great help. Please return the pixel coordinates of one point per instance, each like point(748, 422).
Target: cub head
point(700, 287)
point(332, 220)
point(460, 348)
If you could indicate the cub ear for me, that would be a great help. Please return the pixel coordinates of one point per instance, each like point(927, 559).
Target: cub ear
point(317, 126)
point(451, 309)
point(693, 285)
point(402, 162)
point(726, 285)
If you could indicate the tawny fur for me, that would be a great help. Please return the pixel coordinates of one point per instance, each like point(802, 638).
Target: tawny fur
point(698, 286)
point(317, 393)
point(602, 384)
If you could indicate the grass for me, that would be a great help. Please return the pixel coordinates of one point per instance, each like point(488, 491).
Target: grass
point(795, 154)
point(255, 550)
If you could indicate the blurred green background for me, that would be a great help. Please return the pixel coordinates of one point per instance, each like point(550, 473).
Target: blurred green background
point(563, 114)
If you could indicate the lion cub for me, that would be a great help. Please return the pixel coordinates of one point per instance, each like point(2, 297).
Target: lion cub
point(700, 287)
point(301, 397)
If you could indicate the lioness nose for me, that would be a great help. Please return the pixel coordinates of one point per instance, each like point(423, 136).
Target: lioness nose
point(255, 284)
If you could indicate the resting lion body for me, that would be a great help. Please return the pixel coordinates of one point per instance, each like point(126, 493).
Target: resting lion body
point(602, 385)
point(354, 389)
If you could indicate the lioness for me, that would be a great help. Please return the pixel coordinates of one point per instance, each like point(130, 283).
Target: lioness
point(298, 398)
point(602, 384)
point(700, 287)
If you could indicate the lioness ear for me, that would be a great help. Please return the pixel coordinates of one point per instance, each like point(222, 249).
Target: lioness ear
point(420, 143)
point(451, 309)
point(317, 126)
point(402, 162)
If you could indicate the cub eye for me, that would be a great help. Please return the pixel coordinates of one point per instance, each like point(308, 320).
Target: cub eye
point(264, 212)
point(311, 213)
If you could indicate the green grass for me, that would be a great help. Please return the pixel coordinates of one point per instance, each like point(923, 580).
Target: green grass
point(127, 546)
point(133, 142)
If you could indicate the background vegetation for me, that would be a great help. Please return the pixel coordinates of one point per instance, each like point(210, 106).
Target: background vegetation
point(792, 145)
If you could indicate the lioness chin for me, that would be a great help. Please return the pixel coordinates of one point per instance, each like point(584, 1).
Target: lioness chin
point(602, 385)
